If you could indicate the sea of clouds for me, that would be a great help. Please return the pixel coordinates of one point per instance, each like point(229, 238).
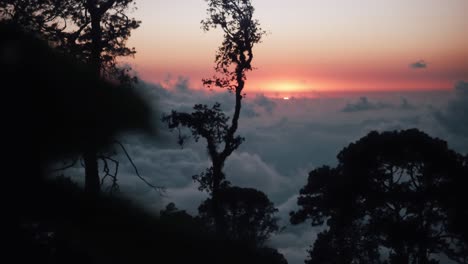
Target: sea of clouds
point(285, 139)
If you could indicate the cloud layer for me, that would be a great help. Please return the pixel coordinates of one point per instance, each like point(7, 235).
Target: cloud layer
point(364, 104)
point(285, 139)
point(455, 116)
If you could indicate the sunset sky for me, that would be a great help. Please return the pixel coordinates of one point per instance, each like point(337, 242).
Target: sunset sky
point(315, 45)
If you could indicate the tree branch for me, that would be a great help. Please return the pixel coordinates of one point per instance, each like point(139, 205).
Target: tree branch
point(159, 189)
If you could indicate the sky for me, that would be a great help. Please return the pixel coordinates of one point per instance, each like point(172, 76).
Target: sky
point(314, 46)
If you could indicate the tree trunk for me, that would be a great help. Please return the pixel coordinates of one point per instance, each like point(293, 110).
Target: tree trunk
point(219, 159)
point(92, 180)
point(220, 222)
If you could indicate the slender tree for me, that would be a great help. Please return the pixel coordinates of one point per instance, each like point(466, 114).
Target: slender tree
point(104, 30)
point(233, 60)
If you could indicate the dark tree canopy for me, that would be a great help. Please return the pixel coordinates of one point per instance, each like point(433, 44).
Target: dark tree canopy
point(343, 245)
point(94, 32)
point(75, 26)
point(54, 104)
point(249, 214)
point(394, 188)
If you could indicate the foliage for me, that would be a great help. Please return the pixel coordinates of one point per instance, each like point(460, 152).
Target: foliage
point(346, 244)
point(59, 102)
point(211, 124)
point(241, 33)
point(249, 214)
point(94, 32)
point(393, 188)
point(68, 25)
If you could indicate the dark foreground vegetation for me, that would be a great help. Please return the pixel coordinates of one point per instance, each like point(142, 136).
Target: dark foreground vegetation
point(62, 224)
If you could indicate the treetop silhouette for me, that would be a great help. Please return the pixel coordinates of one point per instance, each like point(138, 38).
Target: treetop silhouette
point(249, 214)
point(392, 188)
point(94, 32)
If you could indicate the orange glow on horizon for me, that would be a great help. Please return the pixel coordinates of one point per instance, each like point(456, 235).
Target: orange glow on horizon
point(297, 87)
point(285, 86)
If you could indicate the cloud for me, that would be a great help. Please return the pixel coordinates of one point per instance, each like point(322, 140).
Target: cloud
point(249, 170)
point(294, 246)
point(284, 141)
point(454, 117)
point(187, 198)
point(406, 105)
point(363, 104)
point(420, 64)
point(295, 241)
point(266, 103)
point(182, 85)
point(175, 94)
point(281, 147)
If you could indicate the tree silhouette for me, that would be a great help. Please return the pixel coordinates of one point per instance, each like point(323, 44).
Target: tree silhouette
point(94, 31)
point(58, 105)
point(390, 190)
point(61, 102)
point(102, 34)
point(248, 213)
point(458, 213)
point(343, 245)
point(47, 17)
point(233, 60)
